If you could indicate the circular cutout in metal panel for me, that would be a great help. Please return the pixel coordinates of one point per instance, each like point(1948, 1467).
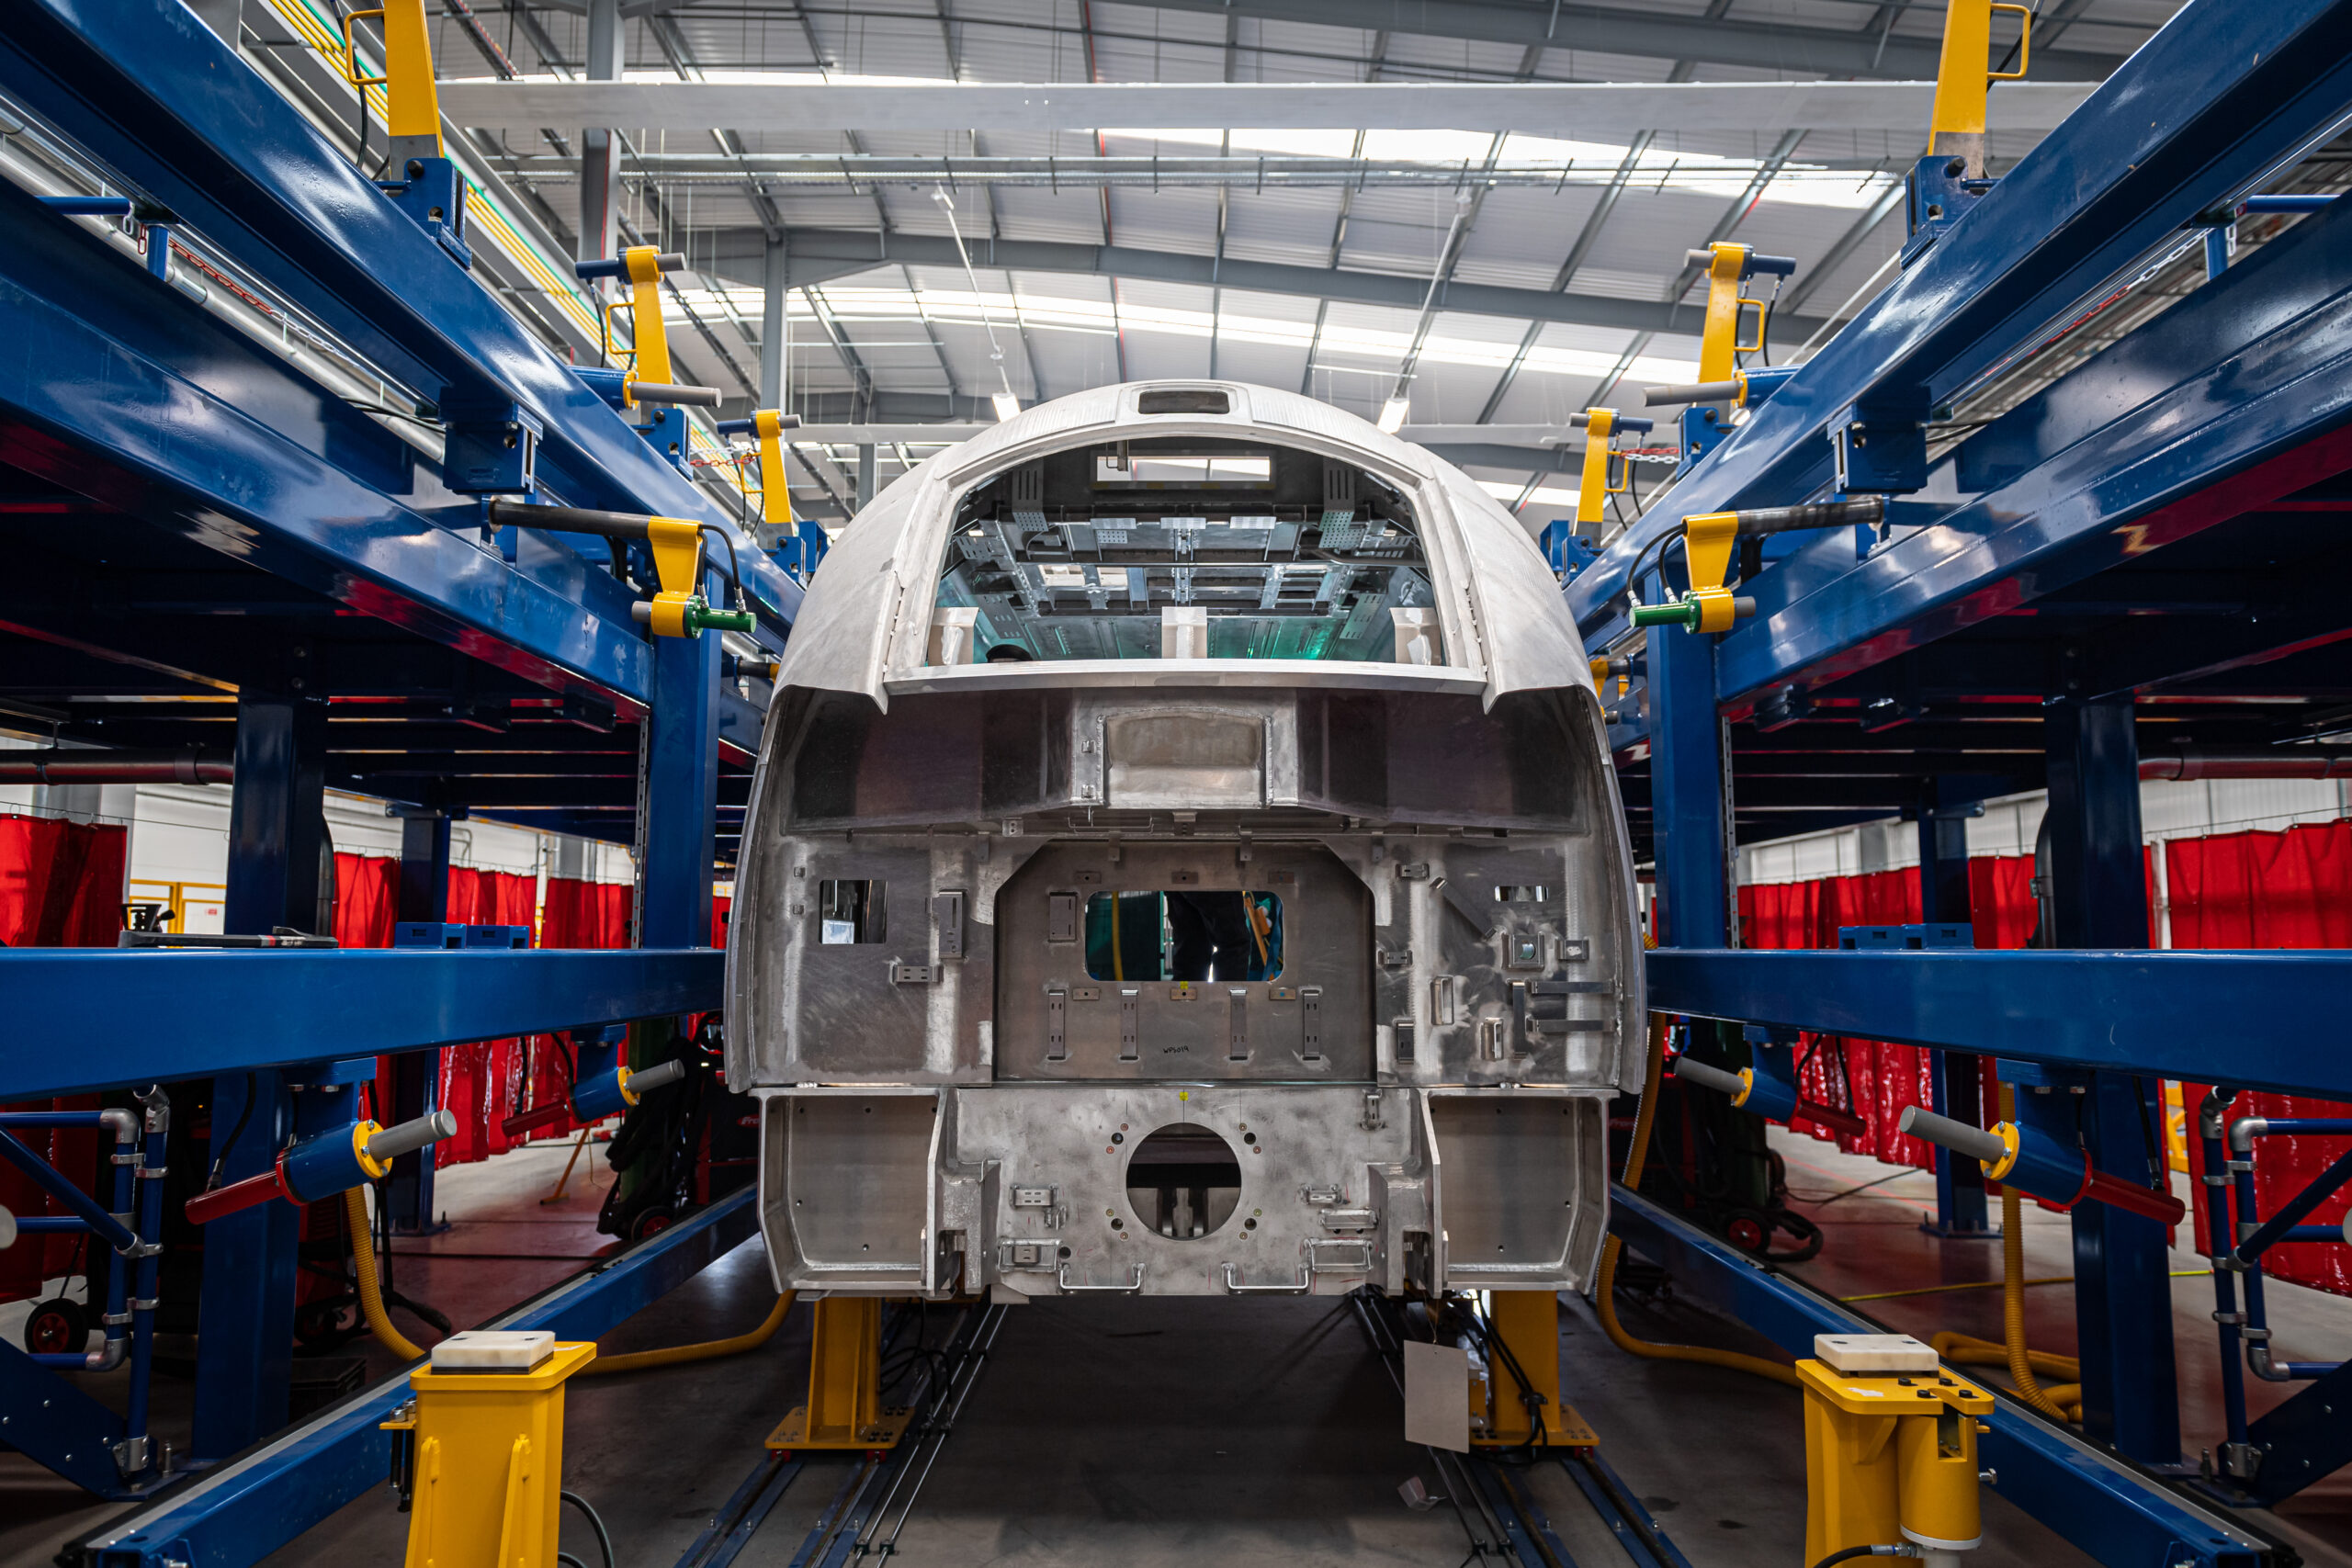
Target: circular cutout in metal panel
point(1184, 1181)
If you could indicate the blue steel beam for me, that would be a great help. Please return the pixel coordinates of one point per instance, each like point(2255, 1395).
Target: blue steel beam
point(241, 1512)
point(74, 1435)
point(155, 94)
point(159, 1016)
point(2199, 114)
point(2174, 1015)
point(2117, 1515)
point(132, 392)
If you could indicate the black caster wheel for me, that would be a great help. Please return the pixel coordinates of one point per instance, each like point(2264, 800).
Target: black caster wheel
point(1748, 1232)
point(57, 1327)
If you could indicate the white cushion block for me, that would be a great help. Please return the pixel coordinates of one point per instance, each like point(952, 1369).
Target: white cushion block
point(493, 1350)
point(1865, 1353)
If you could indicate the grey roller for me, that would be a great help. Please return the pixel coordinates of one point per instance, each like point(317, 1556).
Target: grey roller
point(1957, 1136)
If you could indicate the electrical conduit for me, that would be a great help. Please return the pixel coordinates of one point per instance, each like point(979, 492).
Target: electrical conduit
point(710, 1349)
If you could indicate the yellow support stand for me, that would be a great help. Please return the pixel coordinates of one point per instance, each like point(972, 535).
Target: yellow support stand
point(412, 107)
point(775, 495)
point(1528, 1325)
point(844, 1408)
point(1719, 344)
point(1890, 1448)
point(486, 1460)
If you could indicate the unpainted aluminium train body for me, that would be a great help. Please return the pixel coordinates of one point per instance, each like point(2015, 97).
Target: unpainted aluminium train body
point(1183, 861)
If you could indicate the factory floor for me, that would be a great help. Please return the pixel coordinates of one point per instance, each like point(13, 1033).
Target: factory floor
point(1214, 1431)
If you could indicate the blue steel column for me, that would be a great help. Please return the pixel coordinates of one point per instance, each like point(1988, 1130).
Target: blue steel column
point(245, 1326)
point(417, 1075)
point(1688, 791)
point(1955, 1076)
point(2123, 1273)
point(679, 810)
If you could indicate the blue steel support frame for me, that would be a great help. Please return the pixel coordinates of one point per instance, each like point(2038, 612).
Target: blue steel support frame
point(1688, 803)
point(1954, 1077)
point(407, 1193)
point(246, 1509)
point(2118, 1514)
point(2122, 1269)
point(277, 824)
point(680, 794)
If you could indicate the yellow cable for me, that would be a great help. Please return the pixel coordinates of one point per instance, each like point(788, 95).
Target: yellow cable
point(710, 1349)
point(1604, 1289)
point(371, 1294)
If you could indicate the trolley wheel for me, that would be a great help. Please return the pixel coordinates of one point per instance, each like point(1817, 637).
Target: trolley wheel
point(648, 1222)
point(57, 1327)
point(1748, 1230)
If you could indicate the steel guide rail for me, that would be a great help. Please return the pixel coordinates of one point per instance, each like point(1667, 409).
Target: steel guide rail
point(2118, 1514)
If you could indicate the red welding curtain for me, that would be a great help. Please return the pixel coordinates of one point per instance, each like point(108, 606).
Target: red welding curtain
point(60, 885)
point(481, 1082)
point(1875, 1077)
point(366, 900)
point(586, 914)
point(2289, 889)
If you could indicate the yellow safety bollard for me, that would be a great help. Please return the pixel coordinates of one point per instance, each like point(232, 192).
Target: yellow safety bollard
point(478, 1447)
point(1890, 1448)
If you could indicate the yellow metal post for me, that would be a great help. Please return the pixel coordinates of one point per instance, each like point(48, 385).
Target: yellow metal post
point(1592, 488)
point(775, 495)
point(488, 1463)
point(412, 107)
point(844, 1408)
point(1527, 1323)
point(1964, 77)
point(1890, 1452)
point(1719, 341)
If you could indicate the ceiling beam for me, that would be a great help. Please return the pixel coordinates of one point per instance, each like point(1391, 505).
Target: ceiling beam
point(820, 255)
point(1624, 29)
point(1604, 110)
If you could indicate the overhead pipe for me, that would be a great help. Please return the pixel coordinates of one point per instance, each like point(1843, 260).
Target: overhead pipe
point(2248, 762)
point(95, 766)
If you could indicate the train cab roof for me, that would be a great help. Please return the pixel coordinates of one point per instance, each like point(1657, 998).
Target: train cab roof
point(1194, 533)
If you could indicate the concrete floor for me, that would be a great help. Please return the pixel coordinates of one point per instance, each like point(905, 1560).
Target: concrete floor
point(1220, 1431)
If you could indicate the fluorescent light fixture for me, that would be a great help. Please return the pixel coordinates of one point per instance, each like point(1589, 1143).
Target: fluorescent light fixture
point(1006, 405)
point(1392, 415)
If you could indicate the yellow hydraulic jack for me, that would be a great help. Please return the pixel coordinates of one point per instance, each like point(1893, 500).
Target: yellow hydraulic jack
point(1890, 1452)
point(478, 1449)
point(844, 1408)
point(1527, 1326)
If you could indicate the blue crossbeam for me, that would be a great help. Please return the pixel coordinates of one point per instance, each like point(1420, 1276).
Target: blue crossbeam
point(241, 1512)
point(2250, 1016)
point(2195, 117)
point(157, 1016)
point(2114, 1512)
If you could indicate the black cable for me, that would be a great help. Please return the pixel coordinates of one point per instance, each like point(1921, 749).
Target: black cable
point(1853, 1551)
point(1633, 577)
point(604, 1540)
point(733, 571)
point(221, 1150)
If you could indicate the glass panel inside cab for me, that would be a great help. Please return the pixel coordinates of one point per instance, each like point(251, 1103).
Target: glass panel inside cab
point(1183, 934)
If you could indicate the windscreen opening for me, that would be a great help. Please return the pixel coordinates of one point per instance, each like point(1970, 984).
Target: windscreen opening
point(1183, 935)
point(1189, 548)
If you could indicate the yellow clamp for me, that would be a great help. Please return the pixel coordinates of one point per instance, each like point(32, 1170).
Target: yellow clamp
point(775, 495)
point(1707, 540)
point(411, 108)
point(1719, 344)
point(1593, 487)
point(677, 563)
point(1998, 1170)
point(648, 357)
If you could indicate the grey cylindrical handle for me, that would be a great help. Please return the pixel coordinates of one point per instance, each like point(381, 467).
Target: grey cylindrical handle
point(1707, 1077)
point(1692, 392)
point(674, 393)
point(1957, 1136)
point(410, 1136)
point(654, 1077)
